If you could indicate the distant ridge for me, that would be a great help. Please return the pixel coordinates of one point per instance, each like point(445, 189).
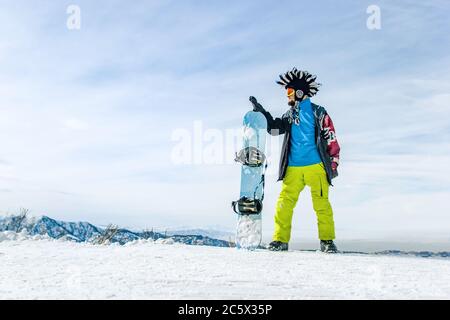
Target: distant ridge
point(87, 232)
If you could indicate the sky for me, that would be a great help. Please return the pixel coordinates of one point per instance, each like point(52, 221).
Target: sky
point(90, 117)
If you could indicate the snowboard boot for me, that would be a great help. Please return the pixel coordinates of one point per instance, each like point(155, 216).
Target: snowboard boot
point(278, 246)
point(328, 246)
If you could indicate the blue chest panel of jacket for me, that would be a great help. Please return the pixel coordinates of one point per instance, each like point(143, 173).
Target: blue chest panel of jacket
point(303, 151)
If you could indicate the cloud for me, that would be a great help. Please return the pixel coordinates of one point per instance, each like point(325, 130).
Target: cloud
point(75, 124)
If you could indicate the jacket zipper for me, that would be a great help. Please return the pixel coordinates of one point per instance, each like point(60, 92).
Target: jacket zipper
point(318, 147)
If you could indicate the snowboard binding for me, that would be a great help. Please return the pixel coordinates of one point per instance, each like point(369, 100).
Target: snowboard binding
point(251, 157)
point(247, 206)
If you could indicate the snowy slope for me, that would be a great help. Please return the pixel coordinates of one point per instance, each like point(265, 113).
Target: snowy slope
point(39, 269)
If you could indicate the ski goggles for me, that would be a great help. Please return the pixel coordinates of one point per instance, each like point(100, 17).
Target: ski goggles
point(290, 92)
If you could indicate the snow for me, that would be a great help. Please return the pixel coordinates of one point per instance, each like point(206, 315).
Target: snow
point(248, 231)
point(32, 268)
point(21, 236)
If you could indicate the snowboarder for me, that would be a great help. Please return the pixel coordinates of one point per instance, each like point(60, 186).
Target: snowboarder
point(309, 157)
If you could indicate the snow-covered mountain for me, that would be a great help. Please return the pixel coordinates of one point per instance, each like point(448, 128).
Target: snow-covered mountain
point(87, 232)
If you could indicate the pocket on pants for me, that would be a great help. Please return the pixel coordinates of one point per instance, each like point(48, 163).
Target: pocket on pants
point(323, 186)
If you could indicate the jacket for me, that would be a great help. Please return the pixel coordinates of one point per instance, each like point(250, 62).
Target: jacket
point(325, 136)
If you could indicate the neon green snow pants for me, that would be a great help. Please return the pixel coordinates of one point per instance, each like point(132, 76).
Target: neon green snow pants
point(294, 182)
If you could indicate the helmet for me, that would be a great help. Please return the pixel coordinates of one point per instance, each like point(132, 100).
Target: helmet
point(302, 82)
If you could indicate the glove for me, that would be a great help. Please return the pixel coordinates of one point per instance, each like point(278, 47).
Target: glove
point(334, 165)
point(256, 106)
point(334, 172)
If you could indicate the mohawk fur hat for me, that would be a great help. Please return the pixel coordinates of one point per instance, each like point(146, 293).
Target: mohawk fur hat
point(302, 82)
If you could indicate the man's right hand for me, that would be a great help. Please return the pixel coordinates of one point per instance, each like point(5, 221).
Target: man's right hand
point(256, 106)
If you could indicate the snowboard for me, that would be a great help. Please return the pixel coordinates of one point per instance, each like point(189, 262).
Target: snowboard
point(249, 206)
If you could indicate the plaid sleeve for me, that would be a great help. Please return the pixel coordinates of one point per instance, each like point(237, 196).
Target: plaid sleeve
point(329, 135)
